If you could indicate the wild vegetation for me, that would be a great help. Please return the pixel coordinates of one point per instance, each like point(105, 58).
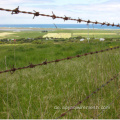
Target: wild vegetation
point(49, 90)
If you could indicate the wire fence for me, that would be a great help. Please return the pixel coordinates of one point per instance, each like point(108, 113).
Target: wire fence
point(16, 11)
point(94, 92)
point(12, 70)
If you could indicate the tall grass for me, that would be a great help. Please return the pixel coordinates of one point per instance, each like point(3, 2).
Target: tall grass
point(37, 92)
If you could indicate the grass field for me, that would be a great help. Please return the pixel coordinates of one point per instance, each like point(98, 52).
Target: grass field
point(49, 90)
point(62, 33)
point(22, 34)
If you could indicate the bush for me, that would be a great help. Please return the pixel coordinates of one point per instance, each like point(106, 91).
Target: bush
point(37, 42)
point(1, 42)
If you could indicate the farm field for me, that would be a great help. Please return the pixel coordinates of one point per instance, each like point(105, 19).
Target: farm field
point(48, 91)
point(60, 59)
point(58, 35)
point(62, 33)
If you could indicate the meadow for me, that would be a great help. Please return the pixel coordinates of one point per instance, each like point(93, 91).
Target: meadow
point(73, 33)
point(49, 90)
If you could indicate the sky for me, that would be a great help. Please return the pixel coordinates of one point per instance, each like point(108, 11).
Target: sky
point(100, 10)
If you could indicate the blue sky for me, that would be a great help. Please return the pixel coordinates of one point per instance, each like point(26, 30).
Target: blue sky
point(100, 10)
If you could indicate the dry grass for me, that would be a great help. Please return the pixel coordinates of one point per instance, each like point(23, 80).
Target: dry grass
point(58, 35)
point(4, 34)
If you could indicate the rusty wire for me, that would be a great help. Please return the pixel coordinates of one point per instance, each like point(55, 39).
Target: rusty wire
point(12, 70)
point(53, 16)
point(94, 92)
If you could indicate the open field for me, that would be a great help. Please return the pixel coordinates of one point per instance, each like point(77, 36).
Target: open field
point(62, 33)
point(94, 34)
point(59, 59)
point(47, 91)
point(21, 34)
point(68, 35)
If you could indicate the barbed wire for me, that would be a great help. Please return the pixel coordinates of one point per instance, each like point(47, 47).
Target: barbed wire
point(94, 92)
point(13, 69)
point(53, 16)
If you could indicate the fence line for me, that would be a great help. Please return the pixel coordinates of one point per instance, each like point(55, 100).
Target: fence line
point(12, 70)
point(53, 16)
point(16, 11)
point(94, 92)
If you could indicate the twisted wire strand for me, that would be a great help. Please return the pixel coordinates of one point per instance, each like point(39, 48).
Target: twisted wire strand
point(94, 92)
point(53, 16)
point(12, 70)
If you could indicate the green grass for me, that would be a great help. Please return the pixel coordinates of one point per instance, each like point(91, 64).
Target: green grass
point(32, 53)
point(34, 34)
point(34, 93)
point(24, 34)
point(91, 31)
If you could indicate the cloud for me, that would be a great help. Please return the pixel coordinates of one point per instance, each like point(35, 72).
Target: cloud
point(102, 10)
point(13, 2)
point(107, 11)
point(10, 2)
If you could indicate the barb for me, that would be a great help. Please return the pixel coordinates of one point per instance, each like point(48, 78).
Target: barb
point(31, 65)
point(66, 18)
point(94, 92)
point(104, 23)
point(79, 20)
point(88, 21)
point(35, 14)
point(16, 11)
point(96, 22)
point(12, 70)
point(53, 16)
point(113, 24)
